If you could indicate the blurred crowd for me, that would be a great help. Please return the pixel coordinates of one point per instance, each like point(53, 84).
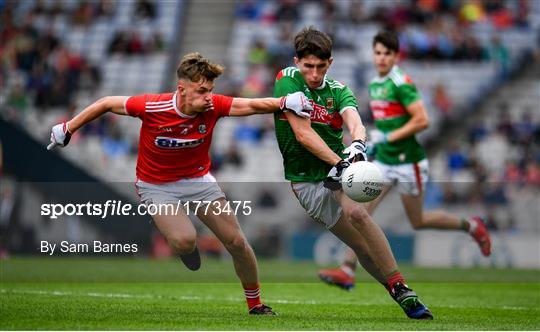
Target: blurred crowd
point(495, 163)
point(132, 42)
point(429, 30)
point(41, 72)
point(433, 29)
point(505, 152)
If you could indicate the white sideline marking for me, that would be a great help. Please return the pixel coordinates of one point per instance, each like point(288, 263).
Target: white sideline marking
point(108, 295)
point(211, 298)
point(507, 307)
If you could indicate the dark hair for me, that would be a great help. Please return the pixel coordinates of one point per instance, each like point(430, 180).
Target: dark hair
point(195, 67)
point(310, 41)
point(389, 39)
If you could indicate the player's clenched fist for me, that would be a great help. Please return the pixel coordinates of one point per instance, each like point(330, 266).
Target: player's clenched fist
point(298, 103)
point(333, 180)
point(60, 136)
point(356, 151)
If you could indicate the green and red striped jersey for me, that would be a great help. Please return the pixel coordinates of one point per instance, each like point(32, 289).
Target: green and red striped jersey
point(329, 101)
point(389, 97)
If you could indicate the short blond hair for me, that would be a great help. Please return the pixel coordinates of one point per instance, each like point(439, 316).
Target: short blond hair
point(196, 67)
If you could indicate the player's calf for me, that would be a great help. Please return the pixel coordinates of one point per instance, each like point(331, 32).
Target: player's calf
point(236, 245)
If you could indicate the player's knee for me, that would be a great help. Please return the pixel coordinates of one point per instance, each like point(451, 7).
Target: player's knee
point(182, 244)
point(358, 215)
point(236, 244)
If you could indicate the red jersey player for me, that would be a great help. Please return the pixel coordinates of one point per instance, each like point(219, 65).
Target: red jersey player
point(173, 160)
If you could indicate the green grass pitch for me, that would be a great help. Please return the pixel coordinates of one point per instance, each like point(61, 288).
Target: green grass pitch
point(135, 294)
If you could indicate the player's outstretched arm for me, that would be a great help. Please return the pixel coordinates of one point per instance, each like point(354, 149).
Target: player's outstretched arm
point(306, 136)
point(317, 146)
point(357, 150)
point(419, 121)
point(61, 133)
point(354, 123)
point(296, 103)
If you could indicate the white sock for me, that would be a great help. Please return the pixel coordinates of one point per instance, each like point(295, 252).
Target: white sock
point(472, 225)
point(347, 270)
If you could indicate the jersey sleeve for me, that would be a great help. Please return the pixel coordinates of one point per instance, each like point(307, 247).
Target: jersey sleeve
point(407, 92)
point(135, 106)
point(222, 105)
point(285, 85)
point(347, 100)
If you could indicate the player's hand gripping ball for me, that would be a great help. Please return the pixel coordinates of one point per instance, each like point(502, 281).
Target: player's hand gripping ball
point(362, 181)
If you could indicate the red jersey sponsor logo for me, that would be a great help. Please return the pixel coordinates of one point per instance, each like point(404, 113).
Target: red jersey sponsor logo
point(177, 143)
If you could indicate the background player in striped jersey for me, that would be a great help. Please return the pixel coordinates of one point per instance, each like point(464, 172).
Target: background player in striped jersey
point(310, 147)
point(173, 160)
point(399, 115)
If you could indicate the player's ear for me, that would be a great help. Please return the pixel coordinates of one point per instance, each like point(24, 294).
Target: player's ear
point(330, 61)
point(181, 87)
point(296, 61)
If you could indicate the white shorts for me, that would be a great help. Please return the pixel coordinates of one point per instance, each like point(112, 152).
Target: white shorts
point(410, 179)
point(203, 188)
point(319, 202)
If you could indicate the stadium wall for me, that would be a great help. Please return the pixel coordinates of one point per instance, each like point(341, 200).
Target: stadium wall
point(443, 249)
